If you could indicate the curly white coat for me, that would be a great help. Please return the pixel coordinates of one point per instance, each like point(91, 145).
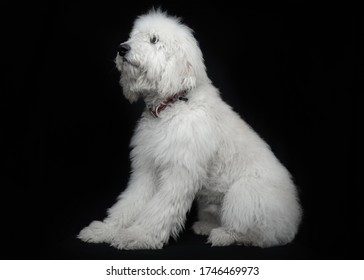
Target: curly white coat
point(198, 149)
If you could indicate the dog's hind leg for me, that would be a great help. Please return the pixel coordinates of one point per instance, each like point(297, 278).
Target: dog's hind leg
point(257, 212)
point(240, 214)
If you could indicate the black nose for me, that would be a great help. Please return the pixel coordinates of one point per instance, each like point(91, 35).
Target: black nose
point(123, 49)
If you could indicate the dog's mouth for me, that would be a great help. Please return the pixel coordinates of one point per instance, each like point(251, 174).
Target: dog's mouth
point(124, 61)
point(127, 61)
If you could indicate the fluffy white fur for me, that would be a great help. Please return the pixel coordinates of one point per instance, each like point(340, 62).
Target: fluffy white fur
point(196, 149)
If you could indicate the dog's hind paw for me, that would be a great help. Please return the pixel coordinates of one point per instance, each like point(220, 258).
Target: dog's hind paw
point(221, 237)
point(203, 228)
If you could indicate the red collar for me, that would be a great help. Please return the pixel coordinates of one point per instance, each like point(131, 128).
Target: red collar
point(159, 108)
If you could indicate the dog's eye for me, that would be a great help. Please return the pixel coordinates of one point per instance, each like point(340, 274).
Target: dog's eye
point(153, 39)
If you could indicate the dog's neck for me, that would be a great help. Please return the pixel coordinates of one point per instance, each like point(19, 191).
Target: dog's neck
point(157, 106)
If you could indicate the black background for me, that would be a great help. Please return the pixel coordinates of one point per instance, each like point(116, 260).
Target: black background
point(289, 70)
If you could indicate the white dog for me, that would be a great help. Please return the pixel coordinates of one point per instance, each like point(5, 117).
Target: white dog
point(190, 144)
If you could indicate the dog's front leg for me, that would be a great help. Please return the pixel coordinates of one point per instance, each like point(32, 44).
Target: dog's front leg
point(164, 215)
point(123, 213)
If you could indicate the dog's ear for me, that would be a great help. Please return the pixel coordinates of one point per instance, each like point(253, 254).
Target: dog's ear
point(188, 76)
point(178, 75)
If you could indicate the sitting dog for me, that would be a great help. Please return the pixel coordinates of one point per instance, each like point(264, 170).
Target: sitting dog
point(189, 144)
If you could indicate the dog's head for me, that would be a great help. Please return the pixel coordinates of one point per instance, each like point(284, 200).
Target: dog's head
point(160, 59)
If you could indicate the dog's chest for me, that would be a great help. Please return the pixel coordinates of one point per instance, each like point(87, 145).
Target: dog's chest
point(159, 141)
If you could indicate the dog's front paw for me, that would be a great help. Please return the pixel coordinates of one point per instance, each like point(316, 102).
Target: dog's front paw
point(97, 232)
point(135, 238)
